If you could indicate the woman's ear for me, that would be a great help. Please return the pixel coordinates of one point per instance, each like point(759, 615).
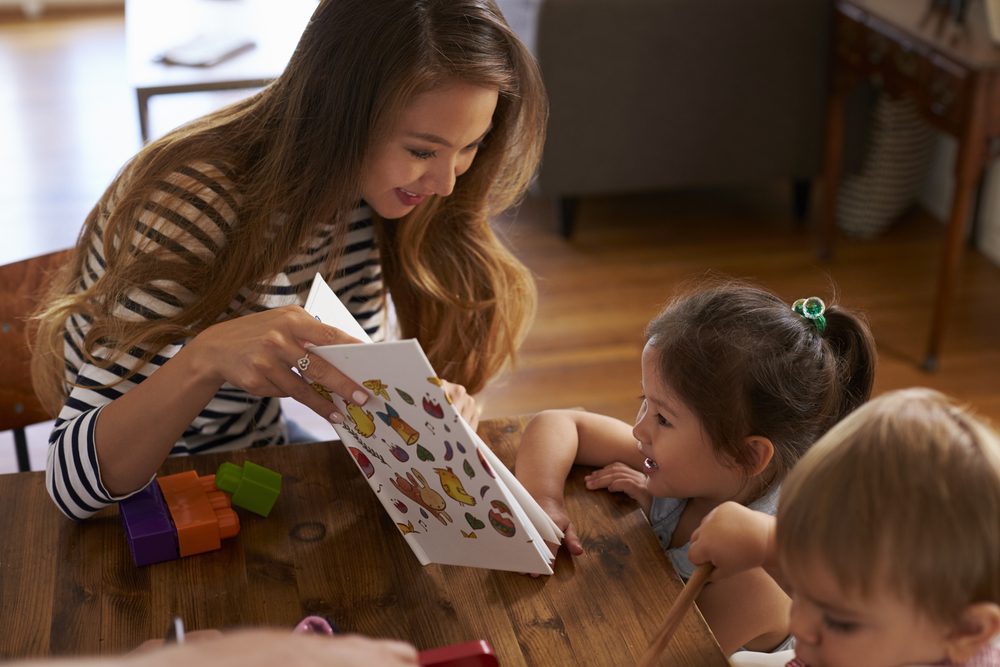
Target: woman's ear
point(761, 452)
point(978, 625)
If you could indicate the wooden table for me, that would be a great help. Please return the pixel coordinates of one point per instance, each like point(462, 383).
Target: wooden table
point(953, 74)
point(328, 548)
point(152, 26)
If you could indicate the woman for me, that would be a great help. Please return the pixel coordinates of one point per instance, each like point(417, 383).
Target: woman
point(377, 159)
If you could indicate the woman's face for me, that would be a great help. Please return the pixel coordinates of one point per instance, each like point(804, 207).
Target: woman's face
point(433, 143)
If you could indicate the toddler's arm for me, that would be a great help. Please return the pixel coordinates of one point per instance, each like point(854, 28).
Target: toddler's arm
point(555, 440)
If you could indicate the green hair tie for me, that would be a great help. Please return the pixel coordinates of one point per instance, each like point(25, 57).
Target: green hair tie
point(812, 309)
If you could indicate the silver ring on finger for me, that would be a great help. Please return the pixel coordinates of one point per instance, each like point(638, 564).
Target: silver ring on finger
point(303, 363)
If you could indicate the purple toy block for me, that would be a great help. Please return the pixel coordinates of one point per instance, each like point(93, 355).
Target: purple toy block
point(148, 527)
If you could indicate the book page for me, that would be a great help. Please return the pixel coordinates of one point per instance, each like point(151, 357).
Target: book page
point(433, 475)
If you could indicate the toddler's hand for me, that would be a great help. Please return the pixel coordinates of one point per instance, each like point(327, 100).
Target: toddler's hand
point(621, 478)
point(734, 538)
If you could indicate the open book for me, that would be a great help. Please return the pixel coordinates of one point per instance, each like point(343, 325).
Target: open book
point(452, 499)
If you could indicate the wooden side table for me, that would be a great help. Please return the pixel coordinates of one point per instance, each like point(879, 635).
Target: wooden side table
point(952, 72)
point(152, 27)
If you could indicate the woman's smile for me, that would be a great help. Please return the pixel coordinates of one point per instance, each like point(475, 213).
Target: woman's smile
point(409, 198)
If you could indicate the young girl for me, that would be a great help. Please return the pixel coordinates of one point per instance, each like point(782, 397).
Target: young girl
point(736, 385)
point(397, 130)
point(887, 537)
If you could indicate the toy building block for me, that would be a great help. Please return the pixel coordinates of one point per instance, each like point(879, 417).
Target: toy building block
point(202, 515)
point(468, 654)
point(254, 487)
point(148, 528)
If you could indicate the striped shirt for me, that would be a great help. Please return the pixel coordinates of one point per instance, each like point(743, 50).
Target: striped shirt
point(189, 216)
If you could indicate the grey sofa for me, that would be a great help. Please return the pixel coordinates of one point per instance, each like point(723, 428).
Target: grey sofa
point(655, 94)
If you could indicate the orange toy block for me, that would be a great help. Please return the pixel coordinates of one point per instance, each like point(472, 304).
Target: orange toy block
point(202, 514)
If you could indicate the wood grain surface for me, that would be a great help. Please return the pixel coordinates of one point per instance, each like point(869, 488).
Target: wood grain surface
point(328, 548)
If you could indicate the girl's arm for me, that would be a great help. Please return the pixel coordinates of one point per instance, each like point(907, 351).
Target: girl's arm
point(555, 440)
point(747, 610)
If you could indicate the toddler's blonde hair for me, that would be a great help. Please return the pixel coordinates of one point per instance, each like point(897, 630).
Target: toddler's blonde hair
point(903, 493)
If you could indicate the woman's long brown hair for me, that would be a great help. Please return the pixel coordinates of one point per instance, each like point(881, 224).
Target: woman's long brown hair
point(297, 150)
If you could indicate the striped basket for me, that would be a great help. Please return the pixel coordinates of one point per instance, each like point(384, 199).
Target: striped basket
point(896, 160)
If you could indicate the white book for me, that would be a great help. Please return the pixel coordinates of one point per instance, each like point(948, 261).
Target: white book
point(452, 499)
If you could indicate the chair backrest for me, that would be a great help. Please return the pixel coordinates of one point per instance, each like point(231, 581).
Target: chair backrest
point(21, 286)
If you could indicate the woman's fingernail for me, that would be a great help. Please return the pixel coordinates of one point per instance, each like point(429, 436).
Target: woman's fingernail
point(336, 418)
point(359, 397)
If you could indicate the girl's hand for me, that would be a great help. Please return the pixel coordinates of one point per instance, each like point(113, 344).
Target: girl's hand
point(463, 402)
point(557, 512)
point(621, 478)
point(257, 353)
point(734, 538)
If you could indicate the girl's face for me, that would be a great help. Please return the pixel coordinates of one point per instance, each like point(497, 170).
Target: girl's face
point(433, 143)
point(680, 461)
point(833, 628)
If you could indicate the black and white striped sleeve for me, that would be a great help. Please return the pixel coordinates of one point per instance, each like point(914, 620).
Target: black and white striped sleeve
point(186, 219)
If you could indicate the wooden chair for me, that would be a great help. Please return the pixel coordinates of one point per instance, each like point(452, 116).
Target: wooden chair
point(21, 285)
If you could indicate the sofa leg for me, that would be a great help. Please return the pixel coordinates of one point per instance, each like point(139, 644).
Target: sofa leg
point(800, 199)
point(567, 215)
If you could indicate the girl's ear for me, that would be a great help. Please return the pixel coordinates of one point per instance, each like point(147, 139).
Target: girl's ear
point(978, 625)
point(761, 452)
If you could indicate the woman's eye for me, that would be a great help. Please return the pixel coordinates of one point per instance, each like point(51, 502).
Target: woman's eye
point(421, 155)
point(474, 147)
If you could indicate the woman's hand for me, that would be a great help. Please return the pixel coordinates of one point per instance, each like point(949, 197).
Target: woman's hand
point(257, 353)
point(463, 402)
point(734, 538)
point(621, 478)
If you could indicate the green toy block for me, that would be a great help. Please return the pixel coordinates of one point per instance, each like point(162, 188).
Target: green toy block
point(253, 487)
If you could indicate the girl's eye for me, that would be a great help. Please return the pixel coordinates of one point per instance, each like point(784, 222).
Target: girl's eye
point(836, 625)
point(421, 155)
point(662, 421)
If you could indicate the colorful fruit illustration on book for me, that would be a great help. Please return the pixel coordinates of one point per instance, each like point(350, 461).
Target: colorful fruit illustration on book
point(403, 395)
point(501, 520)
point(432, 407)
point(363, 461)
point(486, 467)
point(396, 423)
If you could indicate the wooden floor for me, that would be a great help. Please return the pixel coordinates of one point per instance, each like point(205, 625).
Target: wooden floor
point(67, 121)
